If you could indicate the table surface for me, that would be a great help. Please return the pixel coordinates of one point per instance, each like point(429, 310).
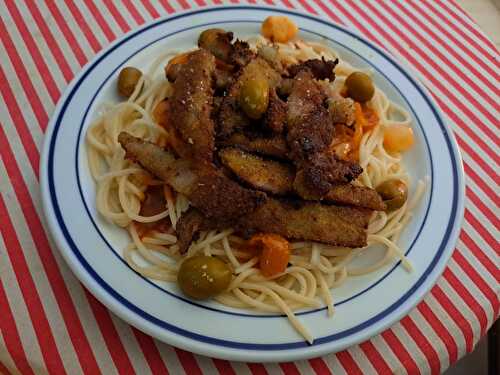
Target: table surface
point(50, 323)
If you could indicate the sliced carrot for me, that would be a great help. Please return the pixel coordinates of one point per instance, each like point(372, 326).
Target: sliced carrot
point(398, 138)
point(371, 118)
point(181, 58)
point(359, 124)
point(274, 252)
point(279, 29)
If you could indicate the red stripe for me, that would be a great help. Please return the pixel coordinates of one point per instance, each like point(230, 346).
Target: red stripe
point(455, 316)
point(234, 1)
point(465, 147)
point(19, 121)
point(134, 12)
point(4, 370)
point(23, 77)
point(289, 368)
point(437, 65)
point(270, 2)
point(480, 255)
point(224, 367)
point(150, 352)
point(467, 26)
point(218, 2)
point(458, 41)
point(288, 4)
point(400, 352)
point(319, 366)
point(483, 232)
point(467, 298)
point(485, 210)
point(348, 362)
point(61, 294)
point(375, 358)
point(10, 334)
point(201, 3)
point(34, 51)
point(424, 345)
point(80, 20)
point(66, 32)
point(462, 61)
point(440, 329)
point(117, 16)
point(471, 173)
point(307, 7)
point(34, 305)
point(188, 362)
point(115, 347)
point(329, 12)
point(477, 280)
point(151, 9)
point(166, 5)
point(49, 39)
point(108, 33)
point(257, 369)
point(184, 4)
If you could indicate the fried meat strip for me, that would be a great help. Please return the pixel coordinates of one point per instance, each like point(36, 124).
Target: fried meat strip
point(188, 227)
point(275, 117)
point(191, 106)
point(280, 179)
point(208, 190)
point(320, 69)
point(275, 146)
point(267, 175)
point(339, 226)
point(310, 133)
point(231, 117)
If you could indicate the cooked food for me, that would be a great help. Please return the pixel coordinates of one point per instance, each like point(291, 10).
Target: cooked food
point(359, 86)
point(267, 175)
point(127, 80)
point(254, 172)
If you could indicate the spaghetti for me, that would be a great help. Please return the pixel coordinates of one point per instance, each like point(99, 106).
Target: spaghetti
point(314, 268)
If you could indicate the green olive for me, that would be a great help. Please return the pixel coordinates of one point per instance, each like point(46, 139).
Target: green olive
point(202, 276)
point(127, 80)
point(217, 41)
point(254, 97)
point(359, 87)
point(394, 193)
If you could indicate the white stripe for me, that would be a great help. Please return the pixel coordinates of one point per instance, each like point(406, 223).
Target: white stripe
point(68, 18)
point(130, 345)
point(474, 290)
point(44, 47)
point(433, 338)
point(444, 46)
point(27, 113)
point(27, 61)
point(387, 354)
point(450, 325)
point(40, 280)
point(481, 216)
point(273, 369)
point(159, 8)
point(482, 175)
point(411, 347)
point(461, 14)
point(439, 19)
point(488, 251)
point(27, 335)
point(169, 357)
point(361, 360)
point(140, 8)
point(92, 23)
point(117, 31)
point(304, 367)
point(333, 364)
point(461, 306)
point(5, 357)
point(205, 364)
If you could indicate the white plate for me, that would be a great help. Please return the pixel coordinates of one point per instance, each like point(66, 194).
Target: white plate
point(365, 305)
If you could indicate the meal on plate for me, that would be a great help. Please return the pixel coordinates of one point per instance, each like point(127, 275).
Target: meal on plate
point(254, 172)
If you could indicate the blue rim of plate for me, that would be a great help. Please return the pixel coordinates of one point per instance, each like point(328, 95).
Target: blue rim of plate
point(226, 343)
point(200, 305)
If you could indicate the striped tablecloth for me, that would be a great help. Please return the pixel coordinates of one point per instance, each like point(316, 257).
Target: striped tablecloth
point(50, 323)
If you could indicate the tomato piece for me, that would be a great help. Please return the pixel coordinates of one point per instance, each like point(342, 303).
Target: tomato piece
point(274, 252)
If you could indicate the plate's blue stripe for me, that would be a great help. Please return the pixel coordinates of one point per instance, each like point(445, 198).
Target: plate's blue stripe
point(211, 340)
